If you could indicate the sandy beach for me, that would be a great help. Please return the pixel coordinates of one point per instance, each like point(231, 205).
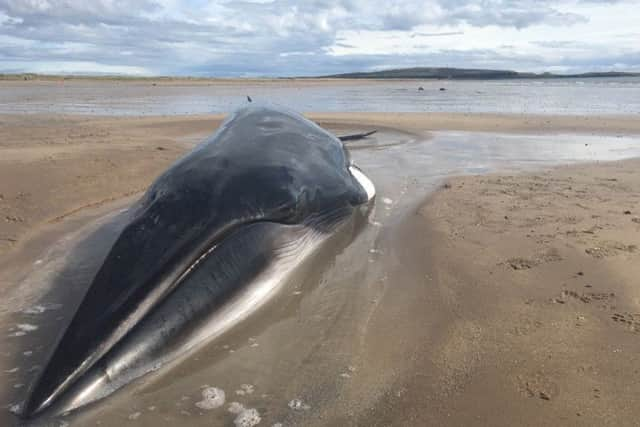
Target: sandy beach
point(539, 273)
point(502, 299)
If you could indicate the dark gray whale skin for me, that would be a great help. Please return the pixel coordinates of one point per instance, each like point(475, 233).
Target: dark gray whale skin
point(203, 229)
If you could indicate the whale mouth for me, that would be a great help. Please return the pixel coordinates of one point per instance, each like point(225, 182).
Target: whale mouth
point(364, 181)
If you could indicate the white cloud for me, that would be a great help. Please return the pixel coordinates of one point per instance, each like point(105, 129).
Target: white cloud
point(76, 67)
point(286, 37)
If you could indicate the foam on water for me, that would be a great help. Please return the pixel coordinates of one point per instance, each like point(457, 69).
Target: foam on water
point(23, 329)
point(235, 407)
point(212, 398)
point(245, 389)
point(247, 418)
point(41, 308)
point(299, 405)
point(16, 408)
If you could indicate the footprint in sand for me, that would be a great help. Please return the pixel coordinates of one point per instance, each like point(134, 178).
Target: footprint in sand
point(538, 386)
point(627, 320)
point(587, 298)
point(610, 248)
point(520, 263)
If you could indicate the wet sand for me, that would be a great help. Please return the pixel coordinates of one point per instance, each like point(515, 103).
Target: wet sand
point(538, 277)
point(501, 300)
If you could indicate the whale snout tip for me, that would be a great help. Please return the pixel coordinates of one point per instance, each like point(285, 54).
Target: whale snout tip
point(29, 410)
point(94, 385)
point(364, 181)
point(34, 407)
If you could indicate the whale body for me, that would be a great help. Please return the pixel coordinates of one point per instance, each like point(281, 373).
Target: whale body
point(210, 241)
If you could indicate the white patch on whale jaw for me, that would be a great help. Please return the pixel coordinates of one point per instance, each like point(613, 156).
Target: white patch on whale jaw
point(364, 181)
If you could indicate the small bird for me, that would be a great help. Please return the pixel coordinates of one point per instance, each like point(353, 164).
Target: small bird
point(249, 98)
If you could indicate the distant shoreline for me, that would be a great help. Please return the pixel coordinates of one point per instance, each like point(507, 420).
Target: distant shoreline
point(473, 74)
point(397, 74)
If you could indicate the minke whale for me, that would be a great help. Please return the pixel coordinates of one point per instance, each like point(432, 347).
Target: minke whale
point(209, 242)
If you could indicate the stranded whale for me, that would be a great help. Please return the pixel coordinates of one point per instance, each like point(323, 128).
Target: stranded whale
point(208, 243)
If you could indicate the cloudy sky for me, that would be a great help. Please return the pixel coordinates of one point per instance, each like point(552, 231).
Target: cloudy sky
point(314, 37)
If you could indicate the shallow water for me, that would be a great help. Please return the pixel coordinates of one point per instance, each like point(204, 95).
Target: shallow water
point(558, 96)
point(331, 345)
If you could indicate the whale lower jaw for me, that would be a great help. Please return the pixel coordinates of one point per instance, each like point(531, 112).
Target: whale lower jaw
point(244, 272)
point(364, 181)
